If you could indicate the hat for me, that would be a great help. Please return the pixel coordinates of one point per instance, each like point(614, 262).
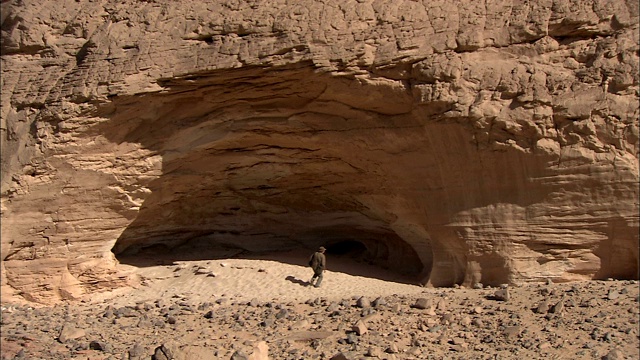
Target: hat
point(321, 248)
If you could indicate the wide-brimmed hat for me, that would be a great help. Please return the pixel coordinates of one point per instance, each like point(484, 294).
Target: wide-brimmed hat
point(321, 248)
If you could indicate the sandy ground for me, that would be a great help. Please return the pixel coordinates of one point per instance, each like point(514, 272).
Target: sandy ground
point(273, 277)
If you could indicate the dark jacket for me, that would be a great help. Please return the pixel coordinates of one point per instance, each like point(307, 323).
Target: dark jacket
point(318, 261)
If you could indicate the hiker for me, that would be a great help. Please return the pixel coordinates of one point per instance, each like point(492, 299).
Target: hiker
point(318, 263)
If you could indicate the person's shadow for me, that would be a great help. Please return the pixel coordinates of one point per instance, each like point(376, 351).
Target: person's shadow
point(297, 281)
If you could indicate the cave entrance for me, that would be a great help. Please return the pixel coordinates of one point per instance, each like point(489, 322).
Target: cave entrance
point(349, 248)
point(245, 171)
point(368, 251)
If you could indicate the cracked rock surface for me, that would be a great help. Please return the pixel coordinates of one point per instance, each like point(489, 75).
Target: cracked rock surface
point(457, 142)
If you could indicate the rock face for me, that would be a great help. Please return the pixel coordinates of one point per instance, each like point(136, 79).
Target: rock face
point(461, 142)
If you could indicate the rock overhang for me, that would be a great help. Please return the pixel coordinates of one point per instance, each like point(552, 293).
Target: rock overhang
point(498, 153)
point(258, 175)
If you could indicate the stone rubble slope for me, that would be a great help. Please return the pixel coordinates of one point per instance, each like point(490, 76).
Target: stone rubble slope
point(587, 320)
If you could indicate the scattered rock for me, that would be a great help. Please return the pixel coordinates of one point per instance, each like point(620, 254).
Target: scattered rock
point(137, 352)
point(458, 344)
point(613, 295)
point(363, 302)
point(543, 307)
point(267, 323)
point(374, 352)
point(512, 332)
point(392, 349)
point(467, 327)
point(557, 308)
point(614, 354)
point(70, 332)
point(240, 355)
point(260, 351)
point(396, 308)
point(340, 356)
point(125, 311)
point(379, 301)
point(447, 318)
point(502, 294)
point(168, 351)
point(422, 304)
point(282, 313)
point(100, 346)
point(359, 328)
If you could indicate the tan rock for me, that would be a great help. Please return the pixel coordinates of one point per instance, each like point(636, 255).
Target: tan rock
point(454, 148)
point(70, 332)
point(359, 328)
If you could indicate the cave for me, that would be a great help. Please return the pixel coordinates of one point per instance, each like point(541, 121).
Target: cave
point(255, 161)
point(351, 248)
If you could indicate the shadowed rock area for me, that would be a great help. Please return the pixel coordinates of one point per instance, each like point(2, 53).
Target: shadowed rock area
point(455, 142)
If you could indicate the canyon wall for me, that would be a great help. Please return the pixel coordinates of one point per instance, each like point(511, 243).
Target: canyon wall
point(460, 142)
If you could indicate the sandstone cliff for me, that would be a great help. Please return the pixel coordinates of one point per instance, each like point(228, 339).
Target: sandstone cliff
point(458, 141)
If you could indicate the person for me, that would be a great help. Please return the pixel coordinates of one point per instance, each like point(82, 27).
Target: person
point(318, 263)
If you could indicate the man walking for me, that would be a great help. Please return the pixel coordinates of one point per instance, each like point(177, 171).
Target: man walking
point(318, 263)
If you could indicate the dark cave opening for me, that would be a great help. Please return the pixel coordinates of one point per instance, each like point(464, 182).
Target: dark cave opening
point(349, 248)
point(353, 250)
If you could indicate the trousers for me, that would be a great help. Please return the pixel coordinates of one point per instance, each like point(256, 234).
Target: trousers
point(317, 274)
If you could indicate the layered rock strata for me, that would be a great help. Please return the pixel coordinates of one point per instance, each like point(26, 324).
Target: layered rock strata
point(460, 142)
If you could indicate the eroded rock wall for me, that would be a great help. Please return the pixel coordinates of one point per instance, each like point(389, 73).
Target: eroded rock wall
point(461, 141)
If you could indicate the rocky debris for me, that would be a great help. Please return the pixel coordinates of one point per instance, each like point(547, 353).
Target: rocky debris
point(166, 352)
point(468, 325)
point(614, 354)
point(392, 349)
point(100, 346)
point(502, 294)
point(359, 328)
point(512, 332)
point(137, 352)
point(613, 295)
point(378, 302)
point(543, 307)
point(340, 356)
point(557, 307)
point(259, 351)
point(70, 332)
point(205, 271)
point(423, 304)
point(363, 302)
point(374, 352)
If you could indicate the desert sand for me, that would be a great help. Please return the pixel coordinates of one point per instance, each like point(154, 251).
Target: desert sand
point(269, 277)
